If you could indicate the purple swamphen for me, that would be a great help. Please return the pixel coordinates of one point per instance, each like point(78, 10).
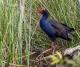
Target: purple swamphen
point(53, 28)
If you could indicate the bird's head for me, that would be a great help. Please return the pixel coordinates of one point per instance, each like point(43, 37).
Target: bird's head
point(42, 11)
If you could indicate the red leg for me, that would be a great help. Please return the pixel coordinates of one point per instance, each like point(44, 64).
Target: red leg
point(54, 46)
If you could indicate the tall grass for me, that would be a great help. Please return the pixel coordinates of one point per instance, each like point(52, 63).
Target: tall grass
point(67, 12)
point(19, 31)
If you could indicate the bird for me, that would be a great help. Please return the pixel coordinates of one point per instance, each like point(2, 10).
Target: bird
point(53, 28)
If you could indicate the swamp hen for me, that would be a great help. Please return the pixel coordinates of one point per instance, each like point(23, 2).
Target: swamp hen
point(53, 28)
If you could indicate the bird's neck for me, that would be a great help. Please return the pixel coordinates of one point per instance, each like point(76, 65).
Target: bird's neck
point(45, 16)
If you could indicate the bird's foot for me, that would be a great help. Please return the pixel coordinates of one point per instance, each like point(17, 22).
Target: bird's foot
point(54, 48)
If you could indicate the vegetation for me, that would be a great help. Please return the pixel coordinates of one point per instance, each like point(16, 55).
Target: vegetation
point(20, 35)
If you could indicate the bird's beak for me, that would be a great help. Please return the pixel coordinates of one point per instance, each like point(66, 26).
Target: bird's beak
point(40, 11)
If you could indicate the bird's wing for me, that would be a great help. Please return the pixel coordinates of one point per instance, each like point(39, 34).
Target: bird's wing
point(62, 29)
point(56, 25)
point(70, 29)
point(61, 26)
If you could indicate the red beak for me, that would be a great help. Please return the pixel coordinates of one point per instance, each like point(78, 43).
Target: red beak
point(40, 11)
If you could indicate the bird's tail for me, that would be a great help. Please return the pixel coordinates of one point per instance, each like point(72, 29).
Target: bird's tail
point(71, 29)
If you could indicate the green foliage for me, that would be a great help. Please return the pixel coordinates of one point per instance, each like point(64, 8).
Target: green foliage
point(56, 58)
point(19, 27)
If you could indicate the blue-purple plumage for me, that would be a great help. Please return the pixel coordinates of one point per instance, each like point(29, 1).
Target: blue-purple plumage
point(54, 29)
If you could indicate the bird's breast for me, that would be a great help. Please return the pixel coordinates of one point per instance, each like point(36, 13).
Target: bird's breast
point(47, 28)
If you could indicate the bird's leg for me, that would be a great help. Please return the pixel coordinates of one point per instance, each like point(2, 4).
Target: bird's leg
point(54, 46)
